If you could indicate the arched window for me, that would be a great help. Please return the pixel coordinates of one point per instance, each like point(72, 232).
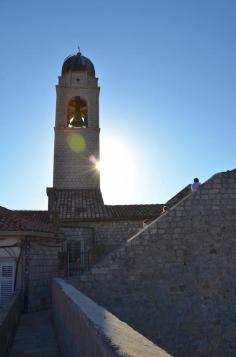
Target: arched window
point(77, 113)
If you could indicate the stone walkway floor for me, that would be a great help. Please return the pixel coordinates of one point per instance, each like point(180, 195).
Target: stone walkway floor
point(35, 336)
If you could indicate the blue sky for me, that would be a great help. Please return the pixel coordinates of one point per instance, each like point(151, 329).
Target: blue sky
point(168, 87)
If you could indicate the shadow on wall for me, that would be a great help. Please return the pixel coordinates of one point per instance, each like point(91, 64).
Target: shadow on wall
point(9, 318)
point(174, 281)
point(86, 329)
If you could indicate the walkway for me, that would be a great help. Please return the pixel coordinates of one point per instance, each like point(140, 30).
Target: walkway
point(35, 336)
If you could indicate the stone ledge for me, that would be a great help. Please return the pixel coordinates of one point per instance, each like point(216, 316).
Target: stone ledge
point(85, 328)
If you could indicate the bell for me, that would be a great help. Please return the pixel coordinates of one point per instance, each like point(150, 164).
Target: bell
point(77, 121)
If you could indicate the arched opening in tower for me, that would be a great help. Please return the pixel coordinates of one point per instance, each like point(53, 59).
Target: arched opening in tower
point(77, 113)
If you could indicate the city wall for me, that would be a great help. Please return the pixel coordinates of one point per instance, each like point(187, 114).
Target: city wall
point(174, 281)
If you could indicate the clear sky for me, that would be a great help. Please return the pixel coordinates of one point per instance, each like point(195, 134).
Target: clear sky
point(168, 93)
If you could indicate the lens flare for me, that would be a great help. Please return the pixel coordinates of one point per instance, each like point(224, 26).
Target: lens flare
point(92, 159)
point(95, 162)
point(76, 142)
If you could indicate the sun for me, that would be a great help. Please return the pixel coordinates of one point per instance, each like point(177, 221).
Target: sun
point(97, 165)
point(117, 168)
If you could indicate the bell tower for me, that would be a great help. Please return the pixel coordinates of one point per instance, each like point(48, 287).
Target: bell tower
point(76, 147)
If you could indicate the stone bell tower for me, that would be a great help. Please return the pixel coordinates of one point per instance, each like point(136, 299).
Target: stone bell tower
point(76, 148)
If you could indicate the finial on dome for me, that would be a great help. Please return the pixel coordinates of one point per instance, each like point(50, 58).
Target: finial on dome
point(79, 48)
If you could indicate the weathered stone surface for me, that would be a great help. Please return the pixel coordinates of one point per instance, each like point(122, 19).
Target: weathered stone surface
point(74, 168)
point(86, 329)
point(43, 267)
point(175, 280)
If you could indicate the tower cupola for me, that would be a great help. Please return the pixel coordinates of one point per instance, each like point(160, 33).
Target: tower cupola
point(76, 63)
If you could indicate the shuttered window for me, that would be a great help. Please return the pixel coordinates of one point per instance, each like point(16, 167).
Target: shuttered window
point(7, 278)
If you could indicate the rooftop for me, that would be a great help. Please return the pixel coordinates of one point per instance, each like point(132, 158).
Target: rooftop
point(87, 205)
point(37, 221)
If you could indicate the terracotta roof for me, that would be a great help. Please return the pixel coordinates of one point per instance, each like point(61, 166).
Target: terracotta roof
point(88, 205)
point(150, 211)
point(41, 217)
point(80, 204)
point(20, 221)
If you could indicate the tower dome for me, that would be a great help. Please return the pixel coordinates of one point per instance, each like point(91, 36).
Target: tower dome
point(78, 63)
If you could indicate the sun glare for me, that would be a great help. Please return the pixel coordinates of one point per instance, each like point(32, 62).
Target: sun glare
point(97, 165)
point(117, 167)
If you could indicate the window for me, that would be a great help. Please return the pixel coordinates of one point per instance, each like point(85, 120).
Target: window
point(78, 256)
point(77, 113)
point(7, 280)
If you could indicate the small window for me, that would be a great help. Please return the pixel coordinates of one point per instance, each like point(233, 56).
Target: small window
point(7, 280)
point(77, 113)
point(78, 256)
point(74, 250)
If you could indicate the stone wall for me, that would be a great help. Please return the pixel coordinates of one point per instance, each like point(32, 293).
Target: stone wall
point(44, 264)
point(101, 237)
point(175, 280)
point(9, 318)
point(117, 232)
point(74, 169)
point(109, 233)
point(86, 329)
point(79, 233)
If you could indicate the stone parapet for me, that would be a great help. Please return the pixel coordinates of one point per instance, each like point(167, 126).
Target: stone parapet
point(87, 329)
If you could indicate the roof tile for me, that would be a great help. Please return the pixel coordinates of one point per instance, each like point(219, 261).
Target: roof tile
point(25, 221)
point(87, 204)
